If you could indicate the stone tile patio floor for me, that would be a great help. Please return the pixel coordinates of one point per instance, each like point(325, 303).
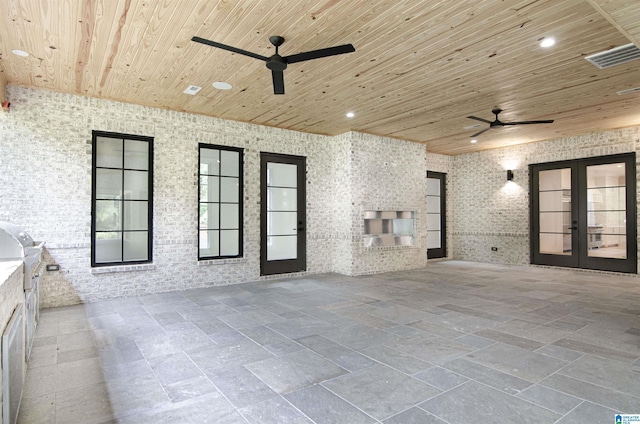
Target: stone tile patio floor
point(456, 342)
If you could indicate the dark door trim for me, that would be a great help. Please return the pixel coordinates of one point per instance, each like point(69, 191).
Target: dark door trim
point(579, 257)
point(300, 262)
point(440, 252)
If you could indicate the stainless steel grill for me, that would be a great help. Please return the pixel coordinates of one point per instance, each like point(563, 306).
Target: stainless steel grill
point(17, 245)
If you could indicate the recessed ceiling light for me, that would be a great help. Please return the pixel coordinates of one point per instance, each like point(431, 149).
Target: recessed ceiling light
point(547, 42)
point(222, 85)
point(350, 114)
point(474, 141)
point(20, 53)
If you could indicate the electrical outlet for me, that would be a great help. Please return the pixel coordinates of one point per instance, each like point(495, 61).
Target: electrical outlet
point(494, 249)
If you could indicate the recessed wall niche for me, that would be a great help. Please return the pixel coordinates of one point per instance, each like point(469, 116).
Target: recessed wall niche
point(388, 228)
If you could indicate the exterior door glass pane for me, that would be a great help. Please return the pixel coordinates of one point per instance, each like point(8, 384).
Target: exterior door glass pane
point(281, 196)
point(606, 211)
point(555, 211)
point(434, 219)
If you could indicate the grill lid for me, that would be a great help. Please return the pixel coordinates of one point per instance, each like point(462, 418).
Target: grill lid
point(15, 243)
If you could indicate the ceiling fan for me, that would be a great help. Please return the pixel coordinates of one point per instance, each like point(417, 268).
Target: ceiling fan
point(498, 123)
point(278, 63)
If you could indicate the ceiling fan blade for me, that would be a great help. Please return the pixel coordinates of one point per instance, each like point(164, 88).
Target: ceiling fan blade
point(479, 119)
point(278, 82)
point(317, 54)
point(480, 132)
point(229, 48)
point(547, 121)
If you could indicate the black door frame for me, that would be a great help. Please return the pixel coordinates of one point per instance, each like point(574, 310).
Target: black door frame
point(579, 239)
point(440, 252)
point(287, 265)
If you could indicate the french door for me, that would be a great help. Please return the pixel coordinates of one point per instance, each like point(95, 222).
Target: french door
point(583, 213)
point(436, 215)
point(282, 214)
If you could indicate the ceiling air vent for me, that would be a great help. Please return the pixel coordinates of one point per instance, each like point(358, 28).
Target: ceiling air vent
point(192, 89)
point(615, 56)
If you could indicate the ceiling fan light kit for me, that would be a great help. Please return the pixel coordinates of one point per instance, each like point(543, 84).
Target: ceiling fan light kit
point(498, 123)
point(276, 63)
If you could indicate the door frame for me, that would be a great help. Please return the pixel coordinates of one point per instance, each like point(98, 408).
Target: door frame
point(285, 266)
point(440, 252)
point(579, 239)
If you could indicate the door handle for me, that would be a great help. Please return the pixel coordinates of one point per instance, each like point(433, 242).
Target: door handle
point(573, 228)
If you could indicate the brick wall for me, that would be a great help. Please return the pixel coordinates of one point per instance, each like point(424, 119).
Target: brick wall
point(45, 154)
point(491, 212)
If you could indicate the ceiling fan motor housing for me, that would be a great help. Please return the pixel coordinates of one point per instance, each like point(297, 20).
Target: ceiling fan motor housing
point(277, 63)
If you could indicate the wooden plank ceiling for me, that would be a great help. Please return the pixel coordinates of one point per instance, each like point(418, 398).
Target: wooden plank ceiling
point(419, 69)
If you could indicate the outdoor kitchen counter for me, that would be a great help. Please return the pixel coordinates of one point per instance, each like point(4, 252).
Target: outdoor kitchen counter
point(11, 289)
point(7, 269)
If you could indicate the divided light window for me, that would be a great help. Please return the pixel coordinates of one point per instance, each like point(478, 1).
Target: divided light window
point(122, 200)
point(220, 207)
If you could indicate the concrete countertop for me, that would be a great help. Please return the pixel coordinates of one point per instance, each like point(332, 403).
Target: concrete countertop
point(7, 269)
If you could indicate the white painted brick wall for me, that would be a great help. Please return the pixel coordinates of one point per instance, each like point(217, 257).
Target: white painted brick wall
point(45, 154)
point(491, 212)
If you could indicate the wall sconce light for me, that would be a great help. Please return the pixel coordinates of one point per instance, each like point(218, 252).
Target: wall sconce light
point(509, 175)
point(6, 106)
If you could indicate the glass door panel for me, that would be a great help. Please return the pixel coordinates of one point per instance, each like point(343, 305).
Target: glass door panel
point(283, 211)
point(583, 213)
point(436, 215)
point(554, 211)
point(606, 211)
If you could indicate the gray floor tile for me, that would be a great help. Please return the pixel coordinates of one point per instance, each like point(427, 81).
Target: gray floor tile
point(173, 368)
point(301, 327)
point(340, 355)
point(413, 416)
point(593, 393)
point(611, 374)
point(323, 407)
point(596, 350)
point(510, 339)
point(295, 370)
point(431, 348)
point(476, 403)
point(275, 410)
point(516, 361)
point(441, 378)
point(90, 357)
point(208, 409)
point(189, 389)
point(217, 358)
point(380, 391)
point(549, 398)
point(396, 359)
point(560, 353)
point(588, 412)
point(240, 386)
point(497, 379)
point(359, 336)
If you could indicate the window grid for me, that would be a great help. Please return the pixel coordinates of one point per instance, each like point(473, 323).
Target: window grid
point(99, 243)
point(219, 239)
